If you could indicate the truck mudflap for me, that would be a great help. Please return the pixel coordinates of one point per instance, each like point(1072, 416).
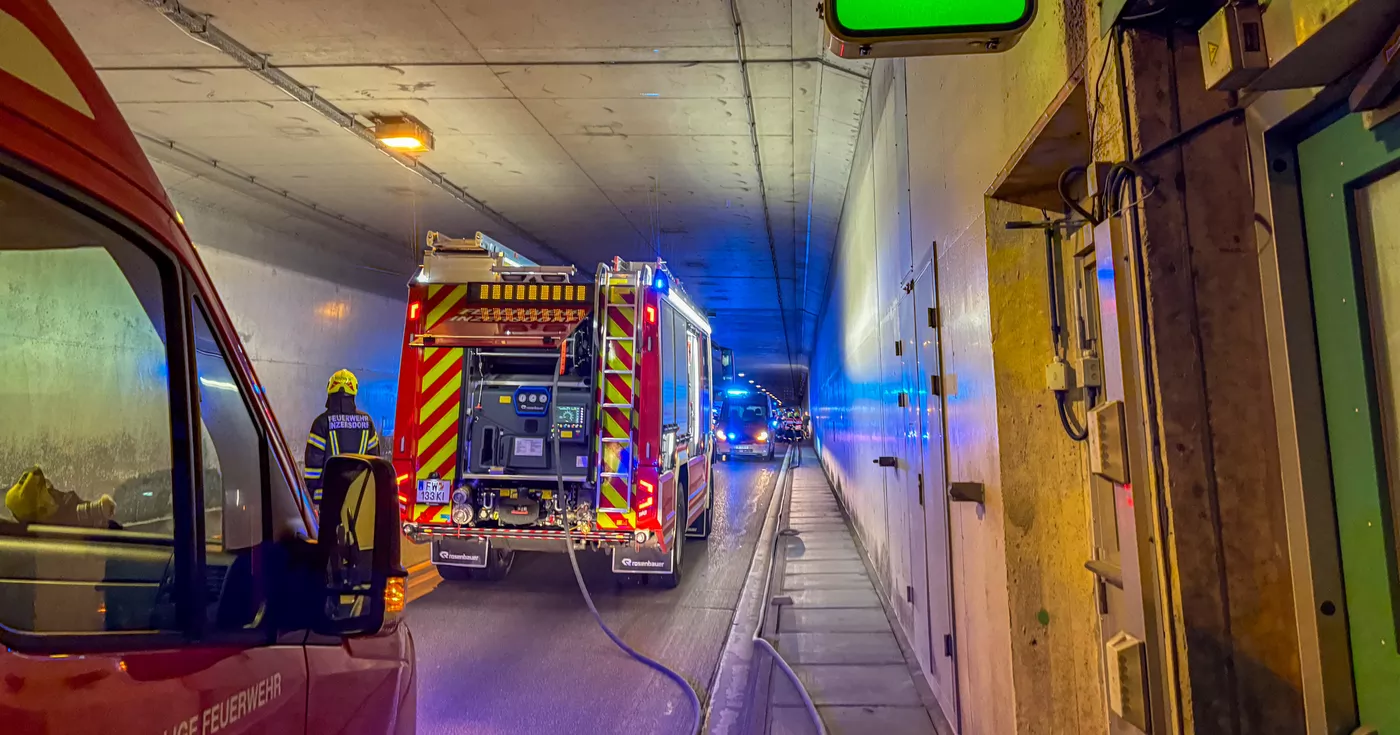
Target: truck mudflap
point(648, 559)
point(461, 552)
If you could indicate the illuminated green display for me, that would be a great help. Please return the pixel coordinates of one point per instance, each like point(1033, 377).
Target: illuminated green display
point(911, 17)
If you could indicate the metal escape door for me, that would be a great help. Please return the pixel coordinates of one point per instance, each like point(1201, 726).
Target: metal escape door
point(937, 646)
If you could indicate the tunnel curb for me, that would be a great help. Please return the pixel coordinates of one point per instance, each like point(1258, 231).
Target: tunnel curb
point(729, 687)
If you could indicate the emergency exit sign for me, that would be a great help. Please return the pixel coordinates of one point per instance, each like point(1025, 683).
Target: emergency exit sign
point(883, 28)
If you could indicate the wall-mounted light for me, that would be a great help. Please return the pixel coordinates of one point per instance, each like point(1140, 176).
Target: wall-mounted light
point(403, 134)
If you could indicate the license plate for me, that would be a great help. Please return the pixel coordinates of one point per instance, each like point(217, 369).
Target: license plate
point(435, 492)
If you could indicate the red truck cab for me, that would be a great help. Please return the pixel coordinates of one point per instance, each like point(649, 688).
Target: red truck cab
point(159, 564)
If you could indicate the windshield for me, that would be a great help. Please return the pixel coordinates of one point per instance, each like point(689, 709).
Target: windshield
point(739, 413)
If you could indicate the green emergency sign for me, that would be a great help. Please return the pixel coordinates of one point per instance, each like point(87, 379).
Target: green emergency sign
point(927, 18)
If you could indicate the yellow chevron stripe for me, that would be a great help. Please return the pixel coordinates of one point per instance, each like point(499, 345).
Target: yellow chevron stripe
point(446, 363)
point(611, 428)
point(452, 300)
point(452, 390)
point(431, 435)
point(612, 394)
point(428, 468)
point(605, 521)
point(618, 313)
point(614, 499)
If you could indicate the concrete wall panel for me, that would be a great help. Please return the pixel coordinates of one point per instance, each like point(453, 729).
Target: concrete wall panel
point(304, 308)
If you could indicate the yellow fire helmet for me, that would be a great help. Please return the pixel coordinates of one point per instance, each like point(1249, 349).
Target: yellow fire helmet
point(29, 499)
point(343, 380)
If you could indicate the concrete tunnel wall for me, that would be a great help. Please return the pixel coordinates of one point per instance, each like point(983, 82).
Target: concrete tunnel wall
point(303, 306)
point(935, 135)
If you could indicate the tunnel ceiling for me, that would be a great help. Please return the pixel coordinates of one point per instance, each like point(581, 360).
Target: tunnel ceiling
point(594, 129)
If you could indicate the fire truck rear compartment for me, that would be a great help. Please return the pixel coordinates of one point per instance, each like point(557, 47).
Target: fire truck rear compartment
point(509, 427)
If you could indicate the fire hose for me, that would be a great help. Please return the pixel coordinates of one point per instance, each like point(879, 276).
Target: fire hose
point(578, 573)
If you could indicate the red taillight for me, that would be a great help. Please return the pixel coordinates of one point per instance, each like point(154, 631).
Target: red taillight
point(646, 493)
point(413, 310)
point(651, 314)
point(403, 499)
point(399, 480)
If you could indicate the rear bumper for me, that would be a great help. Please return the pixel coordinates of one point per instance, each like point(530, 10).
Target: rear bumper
point(752, 450)
point(533, 535)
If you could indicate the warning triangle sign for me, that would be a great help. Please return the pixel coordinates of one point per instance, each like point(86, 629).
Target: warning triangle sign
point(1212, 50)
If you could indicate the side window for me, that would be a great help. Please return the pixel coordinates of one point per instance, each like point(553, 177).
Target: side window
point(85, 442)
point(681, 377)
point(666, 344)
point(232, 457)
point(231, 447)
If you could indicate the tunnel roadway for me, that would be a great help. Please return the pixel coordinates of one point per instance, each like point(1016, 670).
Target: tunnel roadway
point(525, 656)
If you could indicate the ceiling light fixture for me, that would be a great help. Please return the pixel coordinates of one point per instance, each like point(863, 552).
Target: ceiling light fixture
point(403, 134)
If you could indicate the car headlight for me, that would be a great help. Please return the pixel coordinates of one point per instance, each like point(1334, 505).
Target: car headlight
point(763, 436)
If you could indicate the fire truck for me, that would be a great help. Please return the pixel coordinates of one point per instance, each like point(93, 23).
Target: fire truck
point(536, 410)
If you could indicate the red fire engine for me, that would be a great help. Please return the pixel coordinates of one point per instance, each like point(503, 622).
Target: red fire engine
point(160, 568)
point(517, 380)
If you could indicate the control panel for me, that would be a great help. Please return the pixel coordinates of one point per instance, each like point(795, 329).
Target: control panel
point(570, 422)
point(511, 427)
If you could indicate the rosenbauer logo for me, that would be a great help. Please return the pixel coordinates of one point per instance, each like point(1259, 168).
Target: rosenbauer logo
point(644, 564)
point(449, 556)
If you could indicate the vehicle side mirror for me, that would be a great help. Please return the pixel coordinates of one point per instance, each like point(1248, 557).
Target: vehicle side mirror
point(359, 541)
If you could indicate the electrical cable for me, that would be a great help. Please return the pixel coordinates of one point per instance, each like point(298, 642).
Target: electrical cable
point(1062, 185)
point(1077, 434)
point(578, 573)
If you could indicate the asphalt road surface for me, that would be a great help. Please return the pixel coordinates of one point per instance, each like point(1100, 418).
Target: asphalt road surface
point(525, 656)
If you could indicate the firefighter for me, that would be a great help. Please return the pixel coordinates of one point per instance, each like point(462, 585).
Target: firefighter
point(340, 429)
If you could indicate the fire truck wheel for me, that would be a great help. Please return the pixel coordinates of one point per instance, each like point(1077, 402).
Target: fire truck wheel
point(454, 574)
point(673, 580)
point(497, 565)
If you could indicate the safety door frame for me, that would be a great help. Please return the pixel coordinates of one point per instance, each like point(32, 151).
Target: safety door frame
point(1289, 267)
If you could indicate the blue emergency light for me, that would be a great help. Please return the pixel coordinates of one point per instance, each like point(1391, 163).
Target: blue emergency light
point(737, 392)
point(661, 283)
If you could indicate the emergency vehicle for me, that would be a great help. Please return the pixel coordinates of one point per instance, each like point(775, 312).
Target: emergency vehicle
point(159, 568)
point(747, 425)
point(501, 360)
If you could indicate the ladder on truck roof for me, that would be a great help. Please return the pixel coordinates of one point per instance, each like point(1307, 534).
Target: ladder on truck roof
point(618, 294)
